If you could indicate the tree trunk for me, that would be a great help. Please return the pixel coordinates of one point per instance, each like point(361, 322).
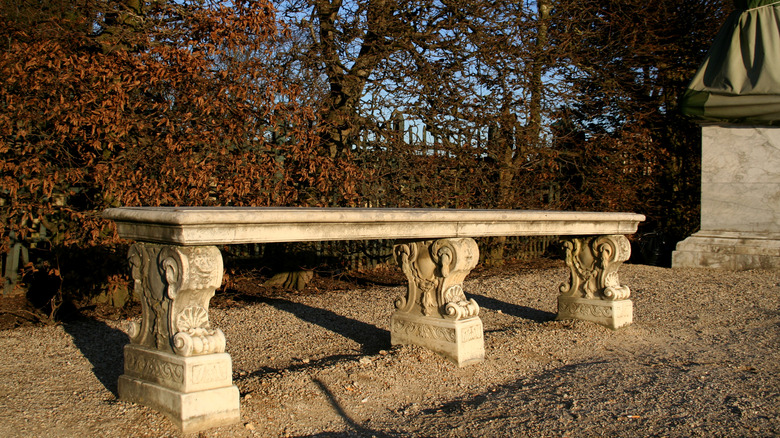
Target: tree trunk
point(536, 84)
point(341, 117)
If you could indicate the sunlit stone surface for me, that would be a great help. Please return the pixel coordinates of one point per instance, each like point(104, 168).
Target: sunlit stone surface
point(740, 201)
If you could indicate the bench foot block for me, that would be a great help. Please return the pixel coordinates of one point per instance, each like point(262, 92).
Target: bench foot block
point(459, 341)
point(195, 393)
point(611, 314)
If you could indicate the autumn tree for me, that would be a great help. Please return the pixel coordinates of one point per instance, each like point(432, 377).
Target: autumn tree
point(106, 103)
point(312, 102)
point(468, 73)
point(623, 142)
point(567, 104)
point(346, 42)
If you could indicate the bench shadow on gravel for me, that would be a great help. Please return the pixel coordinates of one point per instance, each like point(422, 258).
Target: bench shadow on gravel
point(371, 338)
point(510, 309)
point(357, 429)
point(103, 346)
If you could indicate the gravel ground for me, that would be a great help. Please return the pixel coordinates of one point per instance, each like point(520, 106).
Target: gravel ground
point(701, 359)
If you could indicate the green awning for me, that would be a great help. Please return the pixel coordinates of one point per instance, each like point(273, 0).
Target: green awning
point(739, 81)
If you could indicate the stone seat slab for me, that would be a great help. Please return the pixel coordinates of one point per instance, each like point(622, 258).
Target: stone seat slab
point(235, 225)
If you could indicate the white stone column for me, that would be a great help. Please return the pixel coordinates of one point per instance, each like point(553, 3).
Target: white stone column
point(593, 292)
point(176, 362)
point(435, 312)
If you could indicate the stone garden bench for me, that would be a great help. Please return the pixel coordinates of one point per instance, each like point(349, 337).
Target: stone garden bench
point(176, 361)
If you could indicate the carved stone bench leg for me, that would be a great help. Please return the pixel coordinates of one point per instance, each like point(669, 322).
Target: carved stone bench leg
point(176, 363)
point(435, 312)
point(594, 292)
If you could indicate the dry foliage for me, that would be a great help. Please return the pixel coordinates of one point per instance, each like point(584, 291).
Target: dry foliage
point(107, 105)
point(563, 105)
point(110, 103)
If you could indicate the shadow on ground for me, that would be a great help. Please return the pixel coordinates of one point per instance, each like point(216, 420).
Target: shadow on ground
point(641, 395)
point(370, 337)
point(513, 309)
point(103, 346)
point(357, 429)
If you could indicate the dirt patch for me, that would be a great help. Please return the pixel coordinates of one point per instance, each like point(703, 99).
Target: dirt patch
point(16, 311)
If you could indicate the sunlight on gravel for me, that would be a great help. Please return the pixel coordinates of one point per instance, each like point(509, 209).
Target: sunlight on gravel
point(701, 359)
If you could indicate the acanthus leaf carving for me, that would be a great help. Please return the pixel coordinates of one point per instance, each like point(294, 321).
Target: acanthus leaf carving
point(195, 336)
point(458, 307)
point(148, 289)
point(435, 271)
point(199, 341)
point(173, 266)
point(593, 266)
point(174, 285)
point(405, 255)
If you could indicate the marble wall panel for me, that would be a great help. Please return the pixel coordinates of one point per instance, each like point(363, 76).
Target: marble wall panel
point(741, 179)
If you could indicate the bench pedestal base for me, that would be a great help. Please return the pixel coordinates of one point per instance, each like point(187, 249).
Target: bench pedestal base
point(459, 341)
point(593, 292)
point(176, 361)
point(435, 312)
point(728, 250)
point(612, 314)
point(195, 393)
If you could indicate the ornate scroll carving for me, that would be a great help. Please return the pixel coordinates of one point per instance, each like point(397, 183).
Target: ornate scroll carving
point(593, 263)
point(425, 331)
point(435, 270)
point(174, 285)
point(195, 336)
point(152, 368)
